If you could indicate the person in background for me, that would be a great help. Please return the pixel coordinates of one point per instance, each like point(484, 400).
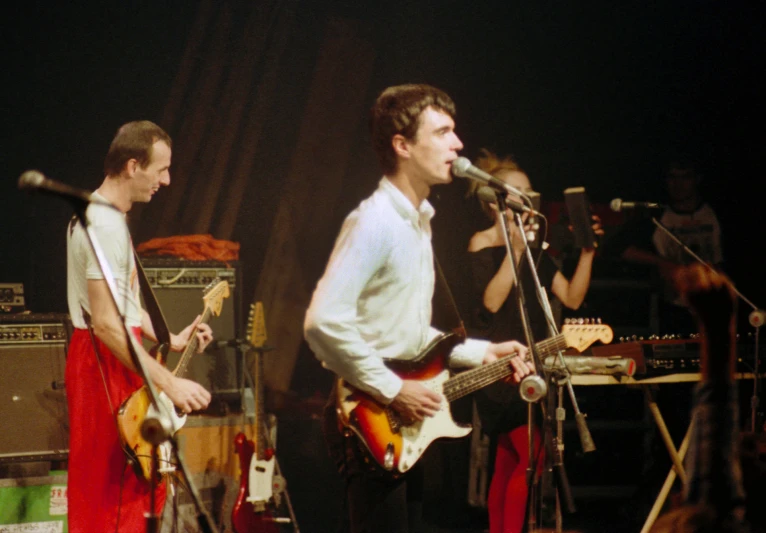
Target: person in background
point(692, 221)
point(714, 498)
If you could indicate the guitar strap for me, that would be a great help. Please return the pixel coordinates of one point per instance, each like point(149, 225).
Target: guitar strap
point(444, 303)
point(159, 323)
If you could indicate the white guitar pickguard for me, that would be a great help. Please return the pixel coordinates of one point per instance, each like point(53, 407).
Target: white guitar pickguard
point(260, 480)
point(416, 437)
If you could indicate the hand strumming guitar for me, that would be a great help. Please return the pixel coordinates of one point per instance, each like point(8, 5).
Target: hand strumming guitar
point(187, 395)
point(415, 401)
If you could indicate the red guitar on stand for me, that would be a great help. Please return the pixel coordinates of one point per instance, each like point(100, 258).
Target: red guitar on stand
point(253, 510)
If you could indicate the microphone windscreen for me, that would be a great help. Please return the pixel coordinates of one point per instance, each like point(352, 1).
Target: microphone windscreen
point(616, 205)
point(486, 194)
point(31, 179)
point(460, 167)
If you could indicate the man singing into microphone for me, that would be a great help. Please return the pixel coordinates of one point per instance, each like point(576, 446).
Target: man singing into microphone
point(104, 493)
point(373, 302)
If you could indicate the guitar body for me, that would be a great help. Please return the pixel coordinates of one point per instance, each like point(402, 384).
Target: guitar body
point(246, 516)
point(262, 478)
point(397, 446)
point(138, 406)
point(132, 414)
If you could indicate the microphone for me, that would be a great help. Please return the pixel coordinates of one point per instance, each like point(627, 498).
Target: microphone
point(463, 168)
point(487, 194)
point(618, 205)
point(35, 181)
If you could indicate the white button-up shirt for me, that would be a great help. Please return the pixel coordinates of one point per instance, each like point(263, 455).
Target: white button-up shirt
point(374, 300)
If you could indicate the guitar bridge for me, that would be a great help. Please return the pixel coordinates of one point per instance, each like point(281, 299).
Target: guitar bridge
point(394, 420)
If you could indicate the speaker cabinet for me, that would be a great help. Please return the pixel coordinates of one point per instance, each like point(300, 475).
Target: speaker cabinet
point(179, 288)
point(33, 414)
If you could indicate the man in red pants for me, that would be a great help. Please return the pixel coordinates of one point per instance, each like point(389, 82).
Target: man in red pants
point(104, 492)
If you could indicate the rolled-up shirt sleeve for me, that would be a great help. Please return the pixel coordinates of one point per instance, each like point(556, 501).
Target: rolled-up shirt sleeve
point(330, 327)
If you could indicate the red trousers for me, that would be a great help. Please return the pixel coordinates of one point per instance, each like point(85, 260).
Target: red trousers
point(104, 493)
point(508, 491)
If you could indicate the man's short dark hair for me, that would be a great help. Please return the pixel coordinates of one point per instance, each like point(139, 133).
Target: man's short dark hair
point(397, 111)
point(133, 140)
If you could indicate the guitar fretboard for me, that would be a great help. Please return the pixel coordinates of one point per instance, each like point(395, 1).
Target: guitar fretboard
point(472, 380)
point(191, 348)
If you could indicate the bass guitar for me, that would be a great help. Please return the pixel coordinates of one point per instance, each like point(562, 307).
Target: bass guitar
point(395, 445)
point(134, 409)
point(252, 511)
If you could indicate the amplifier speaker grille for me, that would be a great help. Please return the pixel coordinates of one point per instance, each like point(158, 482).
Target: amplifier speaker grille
point(33, 413)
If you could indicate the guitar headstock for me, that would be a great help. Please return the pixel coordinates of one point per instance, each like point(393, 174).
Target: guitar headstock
point(581, 333)
point(214, 295)
point(256, 325)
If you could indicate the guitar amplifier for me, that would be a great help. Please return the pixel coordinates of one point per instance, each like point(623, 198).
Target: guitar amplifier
point(178, 285)
point(34, 424)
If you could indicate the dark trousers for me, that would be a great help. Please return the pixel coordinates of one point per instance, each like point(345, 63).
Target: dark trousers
point(377, 502)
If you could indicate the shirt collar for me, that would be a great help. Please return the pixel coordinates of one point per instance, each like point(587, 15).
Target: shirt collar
point(403, 205)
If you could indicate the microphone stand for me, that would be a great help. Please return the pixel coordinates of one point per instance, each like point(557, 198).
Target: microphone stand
point(537, 381)
point(156, 427)
point(755, 318)
point(560, 378)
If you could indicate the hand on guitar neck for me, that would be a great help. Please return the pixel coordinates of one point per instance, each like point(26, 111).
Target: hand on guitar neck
point(519, 358)
point(185, 394)
point(202, 332)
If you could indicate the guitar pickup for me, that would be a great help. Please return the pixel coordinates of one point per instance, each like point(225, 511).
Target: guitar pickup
point(388, 459)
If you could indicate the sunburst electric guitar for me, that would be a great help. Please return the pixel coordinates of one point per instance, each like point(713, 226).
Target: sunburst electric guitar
point(395, 445)
point(253, 508)
point(134, 409)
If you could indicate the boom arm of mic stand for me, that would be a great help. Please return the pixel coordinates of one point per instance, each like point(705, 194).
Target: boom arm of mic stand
point(686, 249)
point(586, 440)
point(756, 318)
point(531, 467)
point(554, 445)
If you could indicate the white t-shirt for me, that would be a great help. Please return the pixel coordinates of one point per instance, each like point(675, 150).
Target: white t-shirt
point(111, 230)
point(699, 231)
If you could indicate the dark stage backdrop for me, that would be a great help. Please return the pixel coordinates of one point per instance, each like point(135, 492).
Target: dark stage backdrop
point(266, 102)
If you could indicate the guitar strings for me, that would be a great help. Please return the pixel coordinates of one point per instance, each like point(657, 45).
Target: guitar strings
point(472, 380)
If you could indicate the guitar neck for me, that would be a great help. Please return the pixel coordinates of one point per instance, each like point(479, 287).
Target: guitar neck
point(258, 438)
point(191, 348)
point(472, 380)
